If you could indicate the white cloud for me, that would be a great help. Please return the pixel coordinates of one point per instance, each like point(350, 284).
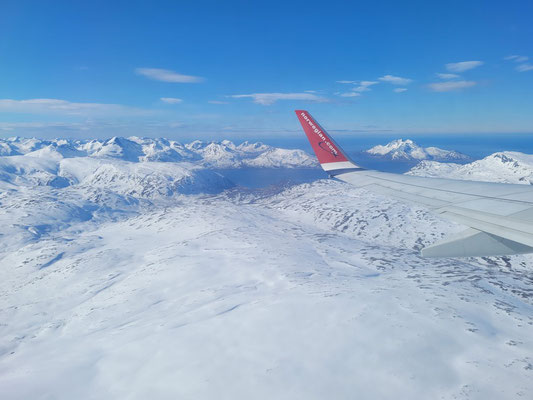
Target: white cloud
point(175, 124)
point(349, 94)
point(450, 86)
point(217, 102)
point(364, 86)
point(368, 83)
point(448, 76)
point(56, 106)
point(267, 99)
point(166, 75)
point(9, 126)
point(463, 66)
point(395, 80)
point(524, 67)
point(518, 59)
point(361, 86)
point(171, 100)
point(400, 90)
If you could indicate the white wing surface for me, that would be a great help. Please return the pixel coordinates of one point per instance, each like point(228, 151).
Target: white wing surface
point(499, 216)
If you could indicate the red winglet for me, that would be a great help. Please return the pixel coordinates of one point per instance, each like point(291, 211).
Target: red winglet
point(326, 150)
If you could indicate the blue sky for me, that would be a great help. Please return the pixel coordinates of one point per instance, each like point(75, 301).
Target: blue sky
point(238, 69)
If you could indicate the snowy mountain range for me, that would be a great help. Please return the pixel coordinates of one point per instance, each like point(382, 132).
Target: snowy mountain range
point(130, 270)
point(407, 150)
point(224, 154)
point(506, 167)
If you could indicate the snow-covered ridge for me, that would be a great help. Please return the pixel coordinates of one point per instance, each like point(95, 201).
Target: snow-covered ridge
point(505, 167)
point(140, 180)
point(224, 154)
point(407, 150)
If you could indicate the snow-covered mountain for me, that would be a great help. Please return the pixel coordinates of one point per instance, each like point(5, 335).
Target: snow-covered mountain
point(144, 278)
point(144, 180)
point(507, 167)
point(224, 154)
point(407, 150)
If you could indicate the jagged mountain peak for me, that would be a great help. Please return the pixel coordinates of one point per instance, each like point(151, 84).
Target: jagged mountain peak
point(408, 150)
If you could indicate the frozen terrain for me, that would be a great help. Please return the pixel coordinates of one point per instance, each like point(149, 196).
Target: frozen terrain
point(124, 275)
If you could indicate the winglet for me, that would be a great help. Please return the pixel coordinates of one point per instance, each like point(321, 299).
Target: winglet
point(330, 156)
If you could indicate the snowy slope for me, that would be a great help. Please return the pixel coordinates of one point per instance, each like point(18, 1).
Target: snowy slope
point(407, 150)
point(508, 167)
point(161, 280)
point(126, 178)
point(280, 158)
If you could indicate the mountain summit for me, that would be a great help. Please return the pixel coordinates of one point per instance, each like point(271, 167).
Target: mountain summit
point(407, 150)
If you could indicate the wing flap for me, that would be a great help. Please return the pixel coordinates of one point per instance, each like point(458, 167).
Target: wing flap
point(475, 243)
point(505, 227)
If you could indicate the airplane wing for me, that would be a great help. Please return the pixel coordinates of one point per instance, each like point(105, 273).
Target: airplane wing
point(499, 215)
